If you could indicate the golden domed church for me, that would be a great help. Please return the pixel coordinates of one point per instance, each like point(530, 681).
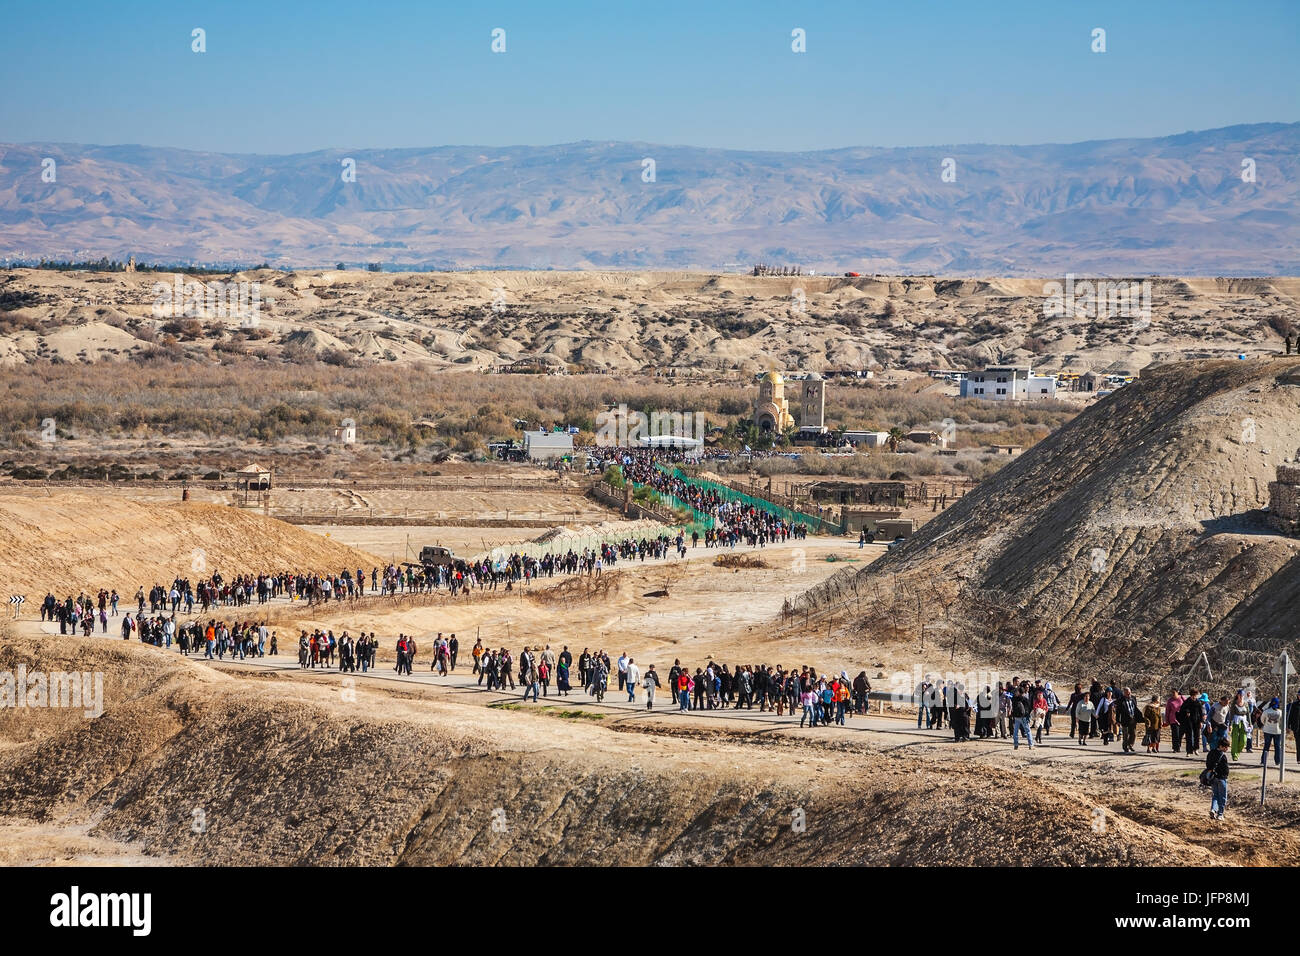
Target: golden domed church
point(772, 411)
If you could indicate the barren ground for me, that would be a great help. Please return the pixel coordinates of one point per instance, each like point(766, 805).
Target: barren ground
point(290, 766)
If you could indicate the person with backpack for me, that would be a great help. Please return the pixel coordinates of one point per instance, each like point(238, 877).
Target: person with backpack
point(1216, 776)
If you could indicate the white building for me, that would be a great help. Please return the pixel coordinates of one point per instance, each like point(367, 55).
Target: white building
point(546, 446)
point(346, 433)
point(869, 439)
point(1008, 383)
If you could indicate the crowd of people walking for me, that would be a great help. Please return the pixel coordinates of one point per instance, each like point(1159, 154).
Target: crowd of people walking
point(734, 521)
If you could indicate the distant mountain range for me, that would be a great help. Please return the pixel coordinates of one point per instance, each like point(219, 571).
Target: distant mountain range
point(1169, 205)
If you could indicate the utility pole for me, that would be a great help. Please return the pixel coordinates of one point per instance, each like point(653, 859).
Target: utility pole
point(1284, 668)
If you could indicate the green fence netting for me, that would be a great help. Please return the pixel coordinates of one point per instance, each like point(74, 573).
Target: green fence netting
point(814, 523)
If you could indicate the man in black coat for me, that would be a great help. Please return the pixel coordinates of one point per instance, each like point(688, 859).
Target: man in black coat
point(1191, 715)
point(1293, 722)
point(1127, 716)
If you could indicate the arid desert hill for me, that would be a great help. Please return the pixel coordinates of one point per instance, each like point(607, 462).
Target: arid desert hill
point(190, 764)
point(628, 321)
point(1128, 542)
point(68, 541)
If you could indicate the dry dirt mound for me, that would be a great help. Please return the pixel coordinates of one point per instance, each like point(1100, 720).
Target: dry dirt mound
point(577, 588)
point(69, 541)
point(739, 561)
point(191, 765)
point(611, 529)
point(1133, 538)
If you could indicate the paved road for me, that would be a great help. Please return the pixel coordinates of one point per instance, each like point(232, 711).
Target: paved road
point(900, 729)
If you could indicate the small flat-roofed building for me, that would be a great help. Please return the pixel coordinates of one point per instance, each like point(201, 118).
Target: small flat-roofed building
point(879, 525)
point(866, 438)
point(547, 446)
point(889, 493)
point(924, 436)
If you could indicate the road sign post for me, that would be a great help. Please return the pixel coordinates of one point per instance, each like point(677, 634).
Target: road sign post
point(1284, 668)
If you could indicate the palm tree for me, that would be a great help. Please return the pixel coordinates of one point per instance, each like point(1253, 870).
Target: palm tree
point(895, 436)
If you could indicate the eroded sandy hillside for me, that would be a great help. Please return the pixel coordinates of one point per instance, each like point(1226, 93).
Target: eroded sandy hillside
point(1130, 540)
point(282, 771)
point(620, 321)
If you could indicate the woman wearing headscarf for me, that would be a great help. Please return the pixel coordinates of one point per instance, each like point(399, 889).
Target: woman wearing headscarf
point(1237, 723)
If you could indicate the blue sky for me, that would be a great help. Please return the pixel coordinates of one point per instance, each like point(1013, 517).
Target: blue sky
point(282, 77)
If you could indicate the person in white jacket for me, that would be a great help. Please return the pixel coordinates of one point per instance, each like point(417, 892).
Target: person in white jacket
point(1272, 727)
point(651, 683)
point(633, 675)
point(1083, 713)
